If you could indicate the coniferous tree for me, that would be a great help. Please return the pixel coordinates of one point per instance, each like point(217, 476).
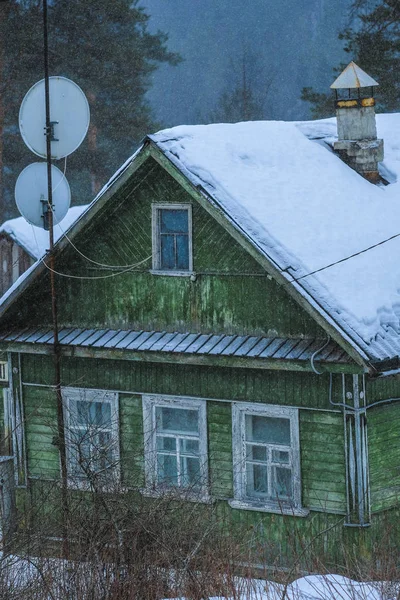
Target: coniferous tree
point(245, 96)
point(106, 48)
point(4, 9)
point(373, 42)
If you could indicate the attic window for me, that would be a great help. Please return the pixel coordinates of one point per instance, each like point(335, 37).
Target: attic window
point(172, 243)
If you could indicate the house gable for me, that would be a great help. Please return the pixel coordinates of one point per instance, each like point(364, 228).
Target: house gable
point(230, 291)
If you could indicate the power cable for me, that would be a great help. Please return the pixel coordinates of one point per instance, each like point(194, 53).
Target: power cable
point(125, 269)
point(130, 269)
point(344, 259)
point(94, 262)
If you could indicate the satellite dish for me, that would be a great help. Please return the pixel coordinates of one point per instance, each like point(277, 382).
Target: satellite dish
point(69, 116)
point(31, 194)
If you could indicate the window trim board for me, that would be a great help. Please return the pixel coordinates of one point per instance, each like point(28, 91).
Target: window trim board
point(97, 395)
point(240, 500)
point(150, 402)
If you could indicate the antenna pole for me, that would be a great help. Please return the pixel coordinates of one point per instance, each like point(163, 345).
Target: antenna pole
point(56, 345)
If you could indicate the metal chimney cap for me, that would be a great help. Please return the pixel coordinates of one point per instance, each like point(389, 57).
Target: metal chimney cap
point(353, 77)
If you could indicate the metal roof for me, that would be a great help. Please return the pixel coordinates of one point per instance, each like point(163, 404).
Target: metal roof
point(185, 343)
point(353, 77)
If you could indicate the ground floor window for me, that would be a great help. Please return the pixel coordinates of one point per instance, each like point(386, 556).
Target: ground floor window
point(175, 438)
point(266, 456)
point(92, 439)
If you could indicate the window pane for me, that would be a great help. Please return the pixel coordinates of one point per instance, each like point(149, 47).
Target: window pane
point(79, 454)
point(167, 469)
point(256, 452)
point(280, 456)
point(269, 430)
point(257, 480)
point(166, 443)
point(179, 420)
point(85, 413)
point(189, 447)
point(102, 453)
point(283, 483)
point(182, 252)
point(167, 259)
point(91, 451)
point(174, 220)
point(190, 472)
point(82, 412)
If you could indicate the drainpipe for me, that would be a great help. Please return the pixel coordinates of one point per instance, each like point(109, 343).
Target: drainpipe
point(359, 452)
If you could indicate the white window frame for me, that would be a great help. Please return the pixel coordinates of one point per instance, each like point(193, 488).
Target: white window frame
point(241, 500)
point(156, 246)
point(150, 403)
point(4, 371)
point(95, 395)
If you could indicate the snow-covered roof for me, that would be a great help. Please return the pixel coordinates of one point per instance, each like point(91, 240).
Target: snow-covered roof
point(35, 240)
point(305, 209)
point(280, 184)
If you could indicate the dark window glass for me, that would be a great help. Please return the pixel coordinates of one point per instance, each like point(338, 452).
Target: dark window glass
point(167, 249)
point(174, 239)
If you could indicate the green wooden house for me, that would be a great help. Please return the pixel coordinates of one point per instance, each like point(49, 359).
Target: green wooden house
point(225, 331)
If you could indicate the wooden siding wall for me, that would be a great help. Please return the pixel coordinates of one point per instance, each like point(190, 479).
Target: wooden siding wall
point(231, 292)
point(384, 456)
point(321, 431)
point(383, 442)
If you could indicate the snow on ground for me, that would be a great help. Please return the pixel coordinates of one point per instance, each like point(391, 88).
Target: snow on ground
point(54, 574)
point(315, 587)
point(35, 240)
point(306, 209)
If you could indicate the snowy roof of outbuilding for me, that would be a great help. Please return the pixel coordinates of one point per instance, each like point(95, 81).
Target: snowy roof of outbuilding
point(304, 209)
point(35, 240)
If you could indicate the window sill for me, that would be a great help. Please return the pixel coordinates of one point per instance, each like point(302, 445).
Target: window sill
point(269, 508)
point(113, 487)
point(173, 273)
point(176, 494)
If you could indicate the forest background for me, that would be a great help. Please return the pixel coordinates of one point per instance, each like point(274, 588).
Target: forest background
point(147, 64)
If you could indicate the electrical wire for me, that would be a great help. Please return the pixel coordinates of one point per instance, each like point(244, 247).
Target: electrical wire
point(68, 275)
point(290, 281)
point(315, 354)
point(125, 269)
point(344, 259)
point(77, 249)
point(63, 175)
point(98, 264)
point(128, 267)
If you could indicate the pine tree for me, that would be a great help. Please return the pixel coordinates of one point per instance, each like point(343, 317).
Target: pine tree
point(245, 96)
point(4, 10)
point(373, 42)
point(106, 48)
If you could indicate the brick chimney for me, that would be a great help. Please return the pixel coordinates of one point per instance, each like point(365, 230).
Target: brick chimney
point(357, 143)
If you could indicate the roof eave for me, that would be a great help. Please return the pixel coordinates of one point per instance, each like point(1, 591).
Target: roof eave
point(181, 358)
